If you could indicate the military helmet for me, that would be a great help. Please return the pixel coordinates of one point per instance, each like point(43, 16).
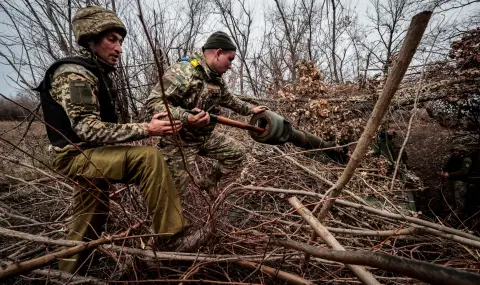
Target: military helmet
point(93, 20)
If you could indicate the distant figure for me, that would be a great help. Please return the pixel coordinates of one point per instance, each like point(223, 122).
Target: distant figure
point(386, 144)
point(472, 204)
point(456, 173)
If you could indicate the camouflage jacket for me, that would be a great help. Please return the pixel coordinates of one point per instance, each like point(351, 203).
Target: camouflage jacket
point(458, 168)
point(188, 86)
point(76, 89)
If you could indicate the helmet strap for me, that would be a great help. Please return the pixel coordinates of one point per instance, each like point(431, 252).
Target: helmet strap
point(96, 59)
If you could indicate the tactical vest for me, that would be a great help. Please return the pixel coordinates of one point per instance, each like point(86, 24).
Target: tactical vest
point(59, 129)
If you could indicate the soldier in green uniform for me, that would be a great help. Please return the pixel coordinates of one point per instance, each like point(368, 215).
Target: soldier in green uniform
point(78, 98)
point(195, 84)
point(456, 173)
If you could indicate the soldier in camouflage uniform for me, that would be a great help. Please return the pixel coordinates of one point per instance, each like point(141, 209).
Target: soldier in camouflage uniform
point(456, 172)
point(195, 84)
point(78, 98)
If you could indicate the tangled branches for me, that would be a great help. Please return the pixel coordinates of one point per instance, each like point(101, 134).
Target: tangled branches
point(244, 225)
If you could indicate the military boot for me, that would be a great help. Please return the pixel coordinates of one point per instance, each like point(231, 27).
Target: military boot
point(209, 182)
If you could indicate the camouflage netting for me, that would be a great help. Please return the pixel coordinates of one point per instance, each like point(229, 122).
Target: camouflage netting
point(466, 50)
point(321, 108)
point(338, 112)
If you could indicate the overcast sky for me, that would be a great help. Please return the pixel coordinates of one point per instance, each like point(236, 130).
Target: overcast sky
point(361, 7)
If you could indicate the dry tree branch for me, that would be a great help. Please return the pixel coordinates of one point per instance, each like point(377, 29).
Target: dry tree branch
point(411, 42)
point(396, 232)
point(275, 273)
point(160, 71)
point(378, 212)
point(328, 182)
point(420, 270)
point(418, 91)
point(55, 274)
point(19, 217)
point(362, 274)
point(15, 269)
point(181, 256)
point(37, 238)
point(194, 281)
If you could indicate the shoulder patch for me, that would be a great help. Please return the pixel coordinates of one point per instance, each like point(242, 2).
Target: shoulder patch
point(77, 69)
point(81, 92)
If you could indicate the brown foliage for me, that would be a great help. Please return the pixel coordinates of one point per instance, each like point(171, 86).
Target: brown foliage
point(323, 109)
point(466, 50)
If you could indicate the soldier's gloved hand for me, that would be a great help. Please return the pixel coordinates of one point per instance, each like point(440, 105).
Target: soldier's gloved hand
point(161, 126)
point(199, 120)
point(259, 109)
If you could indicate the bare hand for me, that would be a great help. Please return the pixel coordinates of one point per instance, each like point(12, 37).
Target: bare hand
point(259, 109)
point(199, 120)
point(161, 127)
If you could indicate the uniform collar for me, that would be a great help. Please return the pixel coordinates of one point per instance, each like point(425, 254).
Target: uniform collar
point(209, 73)
point(104, 66)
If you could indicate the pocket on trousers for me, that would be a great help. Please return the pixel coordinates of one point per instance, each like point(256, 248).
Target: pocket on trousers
point(101, 163)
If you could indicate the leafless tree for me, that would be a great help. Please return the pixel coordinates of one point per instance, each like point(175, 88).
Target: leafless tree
point(240, 27)
point(388, 20)
point(290, 32)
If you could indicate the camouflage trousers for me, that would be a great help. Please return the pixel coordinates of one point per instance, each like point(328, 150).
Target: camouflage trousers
point(96, 168)
point(227, 151)
point(456, 195)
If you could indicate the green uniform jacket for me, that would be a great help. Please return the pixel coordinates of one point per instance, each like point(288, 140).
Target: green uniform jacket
point(188, 86)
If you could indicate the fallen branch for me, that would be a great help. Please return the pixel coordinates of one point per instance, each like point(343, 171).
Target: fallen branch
point(49, 273)
point(37, 238)
point(182, 256)
point(427, 272)
point(386, 233)
point(193, 281)
point(18, 217)
point(15, 269)
point(146, 253)
point(362, 274)
point(275, 273)
point(328, 182)
point(371, 210)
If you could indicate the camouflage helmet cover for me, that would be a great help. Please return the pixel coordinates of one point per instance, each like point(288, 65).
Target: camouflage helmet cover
point(93, 20)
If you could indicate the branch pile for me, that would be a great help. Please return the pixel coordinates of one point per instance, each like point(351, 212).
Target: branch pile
point(251, 220)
